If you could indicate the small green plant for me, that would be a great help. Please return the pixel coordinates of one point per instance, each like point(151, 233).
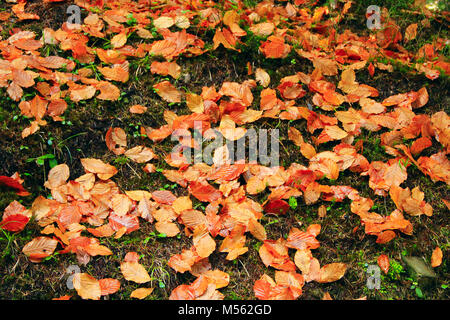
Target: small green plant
point(417, 290)
point(131, 20)
point(41, 160)
point(121, 160)
point(9, 237)
point(293, 203)
point(395, 270)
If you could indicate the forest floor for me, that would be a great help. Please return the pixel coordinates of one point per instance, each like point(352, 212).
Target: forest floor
point(82, 135)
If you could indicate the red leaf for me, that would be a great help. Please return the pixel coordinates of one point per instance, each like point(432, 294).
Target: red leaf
point(227, 172)
point(204, 192)
point(371, 69)
point(14, 222)
point(277, 206)
point(13, 183)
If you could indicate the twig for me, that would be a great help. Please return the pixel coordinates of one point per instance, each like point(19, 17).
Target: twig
point(133, 170)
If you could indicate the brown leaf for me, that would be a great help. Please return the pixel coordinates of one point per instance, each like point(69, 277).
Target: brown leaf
point(262, 77)
point(411, 32)
point(195, 102)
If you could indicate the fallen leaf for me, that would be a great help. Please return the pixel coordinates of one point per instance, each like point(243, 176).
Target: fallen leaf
point(383, 262)
point(141, 293)
point(436, 257)
point(134, 271)
point(87, 286)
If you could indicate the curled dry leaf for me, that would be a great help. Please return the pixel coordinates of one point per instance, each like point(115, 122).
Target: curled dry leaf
point(275, 253)
point(15, 217)
point(116, 140)
point(57, 176)
point(119, 40)
point(262, 77)
point(204, 191)
point(411, 32)
point(184, 261)
point(14, 183)
point(219, 278)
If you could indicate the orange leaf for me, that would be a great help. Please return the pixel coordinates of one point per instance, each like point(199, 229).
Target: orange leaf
point(386, 236)
point(116, 140)
point(275, 253)
point(167, 91)
point(166, 68)
point(134, 271)
point(141, 293)
point(383, 262)
point(411, 32)
point(39, 248)
point(204, 191)
point(168, 228)
point(436, 257)
point(138, 109)
point(109, 286)
point(57, 176)
point(332, 272)
point(140, 154)
point(204, 244)
point(108, 91)
point(103, 170)
point(119, 40)
point(116, 73)
point(87, 286)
